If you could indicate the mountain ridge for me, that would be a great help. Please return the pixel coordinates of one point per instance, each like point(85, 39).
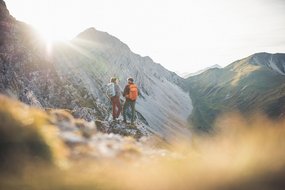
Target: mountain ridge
point(74, 76)
point(242, 86)
point(92, 34)
point(187, 75)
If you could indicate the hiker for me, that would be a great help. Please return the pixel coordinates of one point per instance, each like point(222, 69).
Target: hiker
point(131, 93)
point(114, 93)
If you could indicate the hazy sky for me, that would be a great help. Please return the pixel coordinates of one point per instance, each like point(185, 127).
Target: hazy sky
point(182, 35)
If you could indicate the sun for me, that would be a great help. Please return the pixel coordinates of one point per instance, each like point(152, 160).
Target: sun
point(51, 35)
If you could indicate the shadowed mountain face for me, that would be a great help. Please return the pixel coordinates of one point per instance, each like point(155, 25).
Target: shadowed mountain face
point(256, 83)
point(74, 76)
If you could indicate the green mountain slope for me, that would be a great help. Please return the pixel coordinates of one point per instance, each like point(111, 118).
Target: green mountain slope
point(253, 84)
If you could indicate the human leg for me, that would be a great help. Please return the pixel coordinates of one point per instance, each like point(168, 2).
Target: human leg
point(125, 107)
point(119, 107)
point(113, 107)
point(133, 103)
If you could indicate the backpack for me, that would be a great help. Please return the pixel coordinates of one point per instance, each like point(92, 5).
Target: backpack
point(111, 90)
point(133, 95)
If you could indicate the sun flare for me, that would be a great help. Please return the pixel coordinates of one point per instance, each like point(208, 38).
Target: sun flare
point(50, 36)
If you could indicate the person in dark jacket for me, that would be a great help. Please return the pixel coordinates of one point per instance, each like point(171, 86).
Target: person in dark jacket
point(130, 93)
point(116, 104)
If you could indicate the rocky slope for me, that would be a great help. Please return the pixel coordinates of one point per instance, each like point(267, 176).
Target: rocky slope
point(73, 76)
point(28, 73)
point(253, 84)
point(94, 56)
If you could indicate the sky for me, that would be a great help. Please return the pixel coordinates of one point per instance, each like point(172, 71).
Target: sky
point(182, 35)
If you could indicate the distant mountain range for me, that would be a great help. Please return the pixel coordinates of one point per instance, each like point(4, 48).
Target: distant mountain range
point(187, 75)
point(253, 84)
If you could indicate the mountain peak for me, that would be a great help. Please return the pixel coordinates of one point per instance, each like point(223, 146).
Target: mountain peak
point(94, 35)
point(265, 55)
point(275, 62)
point(89, 31)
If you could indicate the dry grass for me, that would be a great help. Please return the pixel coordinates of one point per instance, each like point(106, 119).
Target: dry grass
point(244, 154)
point(27, 134)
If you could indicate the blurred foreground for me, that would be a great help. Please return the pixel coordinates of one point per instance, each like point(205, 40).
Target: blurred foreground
point(243, 154)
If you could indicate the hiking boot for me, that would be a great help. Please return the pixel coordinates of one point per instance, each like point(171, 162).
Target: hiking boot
point(133, 125)
point(118, 120)
point(115, 120)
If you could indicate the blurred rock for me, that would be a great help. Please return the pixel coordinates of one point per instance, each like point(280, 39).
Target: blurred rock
point(27, 136)
point(84, 113)
point(102, 126)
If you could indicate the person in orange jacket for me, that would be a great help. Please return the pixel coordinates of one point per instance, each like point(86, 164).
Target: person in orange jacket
point(131, 94)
